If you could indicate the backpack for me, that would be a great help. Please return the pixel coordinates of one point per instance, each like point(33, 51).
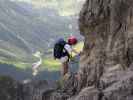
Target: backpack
point(59, 50)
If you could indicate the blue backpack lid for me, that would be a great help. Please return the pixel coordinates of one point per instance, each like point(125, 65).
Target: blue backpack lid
point(60, 40)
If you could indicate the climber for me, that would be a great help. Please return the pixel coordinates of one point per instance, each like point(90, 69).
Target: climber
point(63, 51)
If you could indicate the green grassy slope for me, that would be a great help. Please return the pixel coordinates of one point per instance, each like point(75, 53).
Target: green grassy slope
point(49, 63)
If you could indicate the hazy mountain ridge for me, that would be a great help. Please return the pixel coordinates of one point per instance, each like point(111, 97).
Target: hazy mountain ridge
point(64, 7)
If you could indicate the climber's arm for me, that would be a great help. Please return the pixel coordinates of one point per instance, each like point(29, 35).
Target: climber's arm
point(75, 51)
point(70, 50)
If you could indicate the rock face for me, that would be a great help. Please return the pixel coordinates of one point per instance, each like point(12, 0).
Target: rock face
point(13, 90)
point(106, 61)
point(34, 90)
point(9, 89)
point(68, 89)
point(108, 31)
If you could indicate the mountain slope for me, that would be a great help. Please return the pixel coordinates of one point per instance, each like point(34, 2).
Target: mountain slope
point(24, 29)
